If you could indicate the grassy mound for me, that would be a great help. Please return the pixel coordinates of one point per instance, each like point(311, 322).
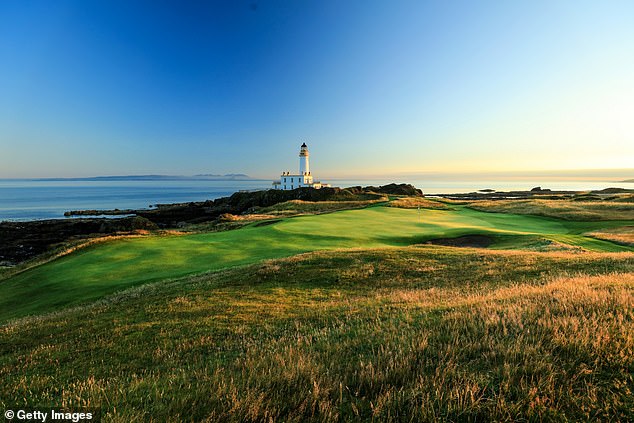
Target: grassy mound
point(298, 206)
point(623, 235)
point(562, 209)
point(105, 268)
point(416, 202)
point(414, 334)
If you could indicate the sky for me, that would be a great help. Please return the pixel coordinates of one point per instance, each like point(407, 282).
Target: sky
point(113, 87)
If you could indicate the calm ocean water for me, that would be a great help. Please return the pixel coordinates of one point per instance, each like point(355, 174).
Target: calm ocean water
point(31, 199)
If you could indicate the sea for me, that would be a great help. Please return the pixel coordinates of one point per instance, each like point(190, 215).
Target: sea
point(28, 199)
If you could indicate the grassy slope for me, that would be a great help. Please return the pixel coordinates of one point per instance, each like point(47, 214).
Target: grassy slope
point(623, 235)
point(618, 209)
point(415, 334)
point(416, 202)
point(299, 206)
point(96, 271)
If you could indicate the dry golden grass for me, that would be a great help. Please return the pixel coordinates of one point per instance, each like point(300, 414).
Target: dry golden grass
point(563, 209)
point(622, 198)
point(227, 217)
point(415, 202)
point(623, 235)
point(412, 334)
point(452, 201)
point(294, 207)
point(555, 287)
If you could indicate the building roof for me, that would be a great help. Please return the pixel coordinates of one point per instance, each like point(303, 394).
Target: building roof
point(304, 145)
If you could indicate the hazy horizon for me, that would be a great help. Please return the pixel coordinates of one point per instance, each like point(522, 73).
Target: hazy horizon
point(562, 174)
point(373, 88)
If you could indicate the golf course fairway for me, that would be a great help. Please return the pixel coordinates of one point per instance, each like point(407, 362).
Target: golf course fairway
point(96, 271)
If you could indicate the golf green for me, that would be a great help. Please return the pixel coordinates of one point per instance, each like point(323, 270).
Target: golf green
point(102, 269)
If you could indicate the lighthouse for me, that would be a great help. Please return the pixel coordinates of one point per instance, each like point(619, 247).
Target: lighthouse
point(304, 166)
point(303, 179)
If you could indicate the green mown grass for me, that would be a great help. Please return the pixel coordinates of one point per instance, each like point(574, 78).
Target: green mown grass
point(102, 269)
point(421, 333)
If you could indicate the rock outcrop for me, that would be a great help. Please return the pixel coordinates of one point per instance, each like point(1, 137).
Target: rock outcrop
point(170, 215)
point(24, 240)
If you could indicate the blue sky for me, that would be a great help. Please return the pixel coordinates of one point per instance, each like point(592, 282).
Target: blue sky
point(374, 87)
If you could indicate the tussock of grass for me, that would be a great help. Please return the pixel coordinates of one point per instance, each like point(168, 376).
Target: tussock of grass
point(416, 202)
point(311, 207)
point(4, 270)
point(414, 334)
point(228, 217)
point(623, 235)
point(561, 209)
point(622, 198)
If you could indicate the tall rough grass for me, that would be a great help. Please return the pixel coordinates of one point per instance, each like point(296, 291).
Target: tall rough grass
point(412, 334)
point(623, 235)
point(416, 202)
point(562, 209)
point(299, 206)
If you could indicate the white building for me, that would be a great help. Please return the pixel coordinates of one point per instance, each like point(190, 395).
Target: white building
point(303, 179)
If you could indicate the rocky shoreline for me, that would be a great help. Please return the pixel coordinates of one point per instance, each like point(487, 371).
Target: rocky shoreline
point(22, 241)
point(537, 192)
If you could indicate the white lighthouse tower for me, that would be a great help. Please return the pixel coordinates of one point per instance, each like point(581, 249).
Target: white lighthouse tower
point(304, 166)
point(304, 179)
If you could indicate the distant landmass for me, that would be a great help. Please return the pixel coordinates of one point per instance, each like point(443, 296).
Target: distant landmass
point(628, 180)
point(208, 176)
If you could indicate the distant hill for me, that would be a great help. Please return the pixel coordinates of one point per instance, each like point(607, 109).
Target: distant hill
point(227, 177)
point(628, 180)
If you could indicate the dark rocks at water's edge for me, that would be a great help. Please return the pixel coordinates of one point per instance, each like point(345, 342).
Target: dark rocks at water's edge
point(115, 212)
point(537, 192)
point(173, 215)
point(391, 189)
point(613, 191)
point(24, 240)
